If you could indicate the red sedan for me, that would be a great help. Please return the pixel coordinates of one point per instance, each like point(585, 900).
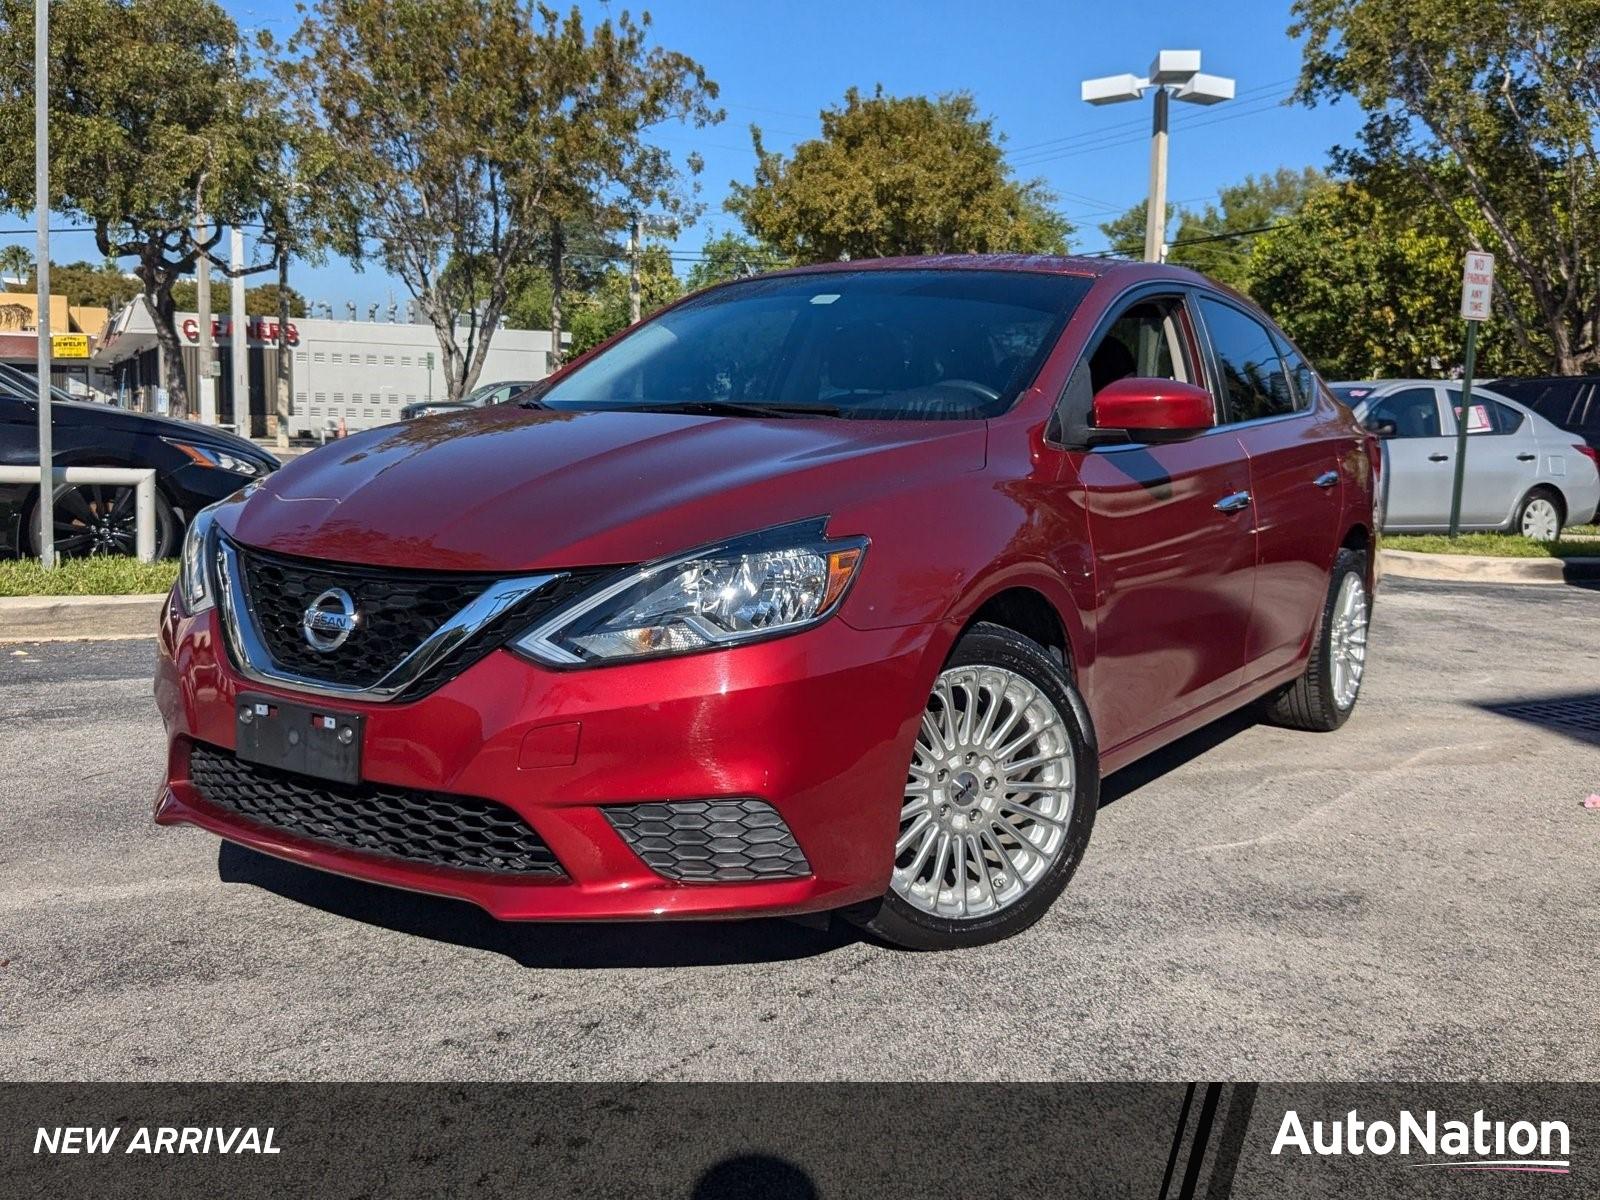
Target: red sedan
point(840, 588)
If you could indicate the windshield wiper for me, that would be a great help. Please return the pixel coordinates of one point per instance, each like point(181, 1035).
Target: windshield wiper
point(734, 408)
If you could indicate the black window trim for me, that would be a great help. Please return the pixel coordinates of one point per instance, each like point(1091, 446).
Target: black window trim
point(1224, 402)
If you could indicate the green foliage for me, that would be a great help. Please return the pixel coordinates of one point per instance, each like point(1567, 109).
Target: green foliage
point(1368, 290)
point(101, 575)
point(85, 283)
point(1490, 111)
point(468, 132)
point(602, 312)
point(151, 116)
point(1491, 545)
point(259, 301)
point(896, 175)
point(1125, 233)
point(731, 257)
point(1216, 241)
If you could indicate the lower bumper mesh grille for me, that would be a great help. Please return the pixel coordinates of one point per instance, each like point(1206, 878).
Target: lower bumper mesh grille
point(720, 841)
point(428, 827)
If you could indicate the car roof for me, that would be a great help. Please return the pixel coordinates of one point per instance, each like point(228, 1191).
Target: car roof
point(1048, 264)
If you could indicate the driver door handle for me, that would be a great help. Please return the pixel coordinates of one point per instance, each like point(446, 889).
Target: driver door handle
point(1327, 479)
point(1438, 458)
point(1233, 502)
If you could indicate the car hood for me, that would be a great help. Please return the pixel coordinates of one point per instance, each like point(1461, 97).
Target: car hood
point(507, 489)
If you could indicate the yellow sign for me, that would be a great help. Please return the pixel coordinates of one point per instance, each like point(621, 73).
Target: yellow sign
point(69, 345)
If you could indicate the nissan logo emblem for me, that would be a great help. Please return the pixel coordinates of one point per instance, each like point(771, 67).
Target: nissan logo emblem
point(330, 620)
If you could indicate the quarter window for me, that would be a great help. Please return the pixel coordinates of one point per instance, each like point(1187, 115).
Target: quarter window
point(1252, 373)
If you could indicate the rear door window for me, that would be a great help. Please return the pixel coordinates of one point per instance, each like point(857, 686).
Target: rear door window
point(1488, 415)
point(1253, 377)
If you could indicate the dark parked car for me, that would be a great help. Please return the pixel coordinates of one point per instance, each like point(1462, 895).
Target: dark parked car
point(837, 588)
point(479, 397)
point(195, 464)
point(1571, 402)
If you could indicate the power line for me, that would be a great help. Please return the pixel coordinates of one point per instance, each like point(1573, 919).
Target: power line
point(1251, 108)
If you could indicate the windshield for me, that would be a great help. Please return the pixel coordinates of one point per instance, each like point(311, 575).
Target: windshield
point(19, 385)
point(881, 344)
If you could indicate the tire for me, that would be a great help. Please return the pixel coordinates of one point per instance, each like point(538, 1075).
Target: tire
point(99, 519)
point(1323, 698)
point(1540, 515)
point(1025, 830)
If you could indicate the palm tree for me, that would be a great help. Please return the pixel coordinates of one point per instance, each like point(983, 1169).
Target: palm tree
point(16, 263)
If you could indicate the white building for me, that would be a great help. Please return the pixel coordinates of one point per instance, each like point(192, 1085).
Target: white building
point(360, 372)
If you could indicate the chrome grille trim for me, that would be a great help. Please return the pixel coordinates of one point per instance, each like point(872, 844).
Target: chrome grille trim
point(255, 661)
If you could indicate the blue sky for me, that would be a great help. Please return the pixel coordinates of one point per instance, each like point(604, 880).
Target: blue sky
point(779, 62)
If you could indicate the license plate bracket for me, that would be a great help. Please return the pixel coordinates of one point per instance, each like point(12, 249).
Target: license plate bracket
point(309, 739)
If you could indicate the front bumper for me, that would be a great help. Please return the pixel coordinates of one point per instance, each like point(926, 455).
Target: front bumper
point(818, 725)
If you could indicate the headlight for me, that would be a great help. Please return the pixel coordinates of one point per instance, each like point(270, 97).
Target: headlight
point(775, 583)
point(196, 585)
point(210, 456)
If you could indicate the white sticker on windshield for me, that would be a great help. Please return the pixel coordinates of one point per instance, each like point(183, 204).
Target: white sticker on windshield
point(825, 298)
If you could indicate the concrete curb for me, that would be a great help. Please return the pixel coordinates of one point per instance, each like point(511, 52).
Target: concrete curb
point(78, 618)
point(1472, 568)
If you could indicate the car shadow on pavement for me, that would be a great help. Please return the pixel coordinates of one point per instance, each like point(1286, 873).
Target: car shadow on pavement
point(1169, 758)
point(1572, 714)
point(534, 944)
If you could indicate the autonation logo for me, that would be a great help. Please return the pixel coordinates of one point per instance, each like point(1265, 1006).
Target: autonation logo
point(1476, 1145)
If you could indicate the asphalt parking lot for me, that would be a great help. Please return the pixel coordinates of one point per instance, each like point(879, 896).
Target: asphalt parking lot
point(1414, 897)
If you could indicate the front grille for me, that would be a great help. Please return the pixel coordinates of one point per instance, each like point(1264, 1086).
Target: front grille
point(427, 827)
point(721, 841)
point(399, 610)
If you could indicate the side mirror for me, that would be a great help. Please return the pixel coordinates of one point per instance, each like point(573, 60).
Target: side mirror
point(1150, 410)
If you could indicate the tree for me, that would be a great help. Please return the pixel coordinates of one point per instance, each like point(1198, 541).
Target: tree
point(154, 115)
point(1125, 233)
point(896, 175)
point(1217, 240)
point(259, 301)
point(470, 132)
point(604, 311)
point(16, 262)
point(730, 256)
point(1490, 110)
point(1369, 291)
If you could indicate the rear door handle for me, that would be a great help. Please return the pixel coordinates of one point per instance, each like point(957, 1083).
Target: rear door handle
point(1438, 458)
point(1527, 457)
point(1327, 479)
point(1233, 502)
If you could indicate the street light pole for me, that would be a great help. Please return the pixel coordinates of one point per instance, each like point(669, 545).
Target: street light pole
point(41, 274)
point(1155, 212)
point(1175, 74)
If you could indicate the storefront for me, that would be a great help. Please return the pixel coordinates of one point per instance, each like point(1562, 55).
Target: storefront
point(357, 372)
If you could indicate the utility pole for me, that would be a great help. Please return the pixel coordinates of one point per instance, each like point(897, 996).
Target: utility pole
point(239, 335)
point(634, 237)
point(205, 384)
point(41, 274)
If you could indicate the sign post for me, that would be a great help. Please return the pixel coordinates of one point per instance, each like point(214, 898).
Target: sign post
point(41, 275)
point(1477, 292)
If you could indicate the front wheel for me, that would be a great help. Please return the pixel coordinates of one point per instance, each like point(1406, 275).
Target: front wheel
point(92, 518)
point(1321, 699)
point(999, 800)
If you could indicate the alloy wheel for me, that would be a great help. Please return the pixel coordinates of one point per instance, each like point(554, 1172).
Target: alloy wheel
point(1347, 643)
point(95, 519)
point(1540, 521)
point(988, 798)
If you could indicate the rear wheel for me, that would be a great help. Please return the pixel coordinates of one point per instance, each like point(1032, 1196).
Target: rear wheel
point(1321, 699)
point(1539, 515)
point(102, 519)
point(999, 801)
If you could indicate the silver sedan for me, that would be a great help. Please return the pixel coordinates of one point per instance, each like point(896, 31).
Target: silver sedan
point(1524, 475)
